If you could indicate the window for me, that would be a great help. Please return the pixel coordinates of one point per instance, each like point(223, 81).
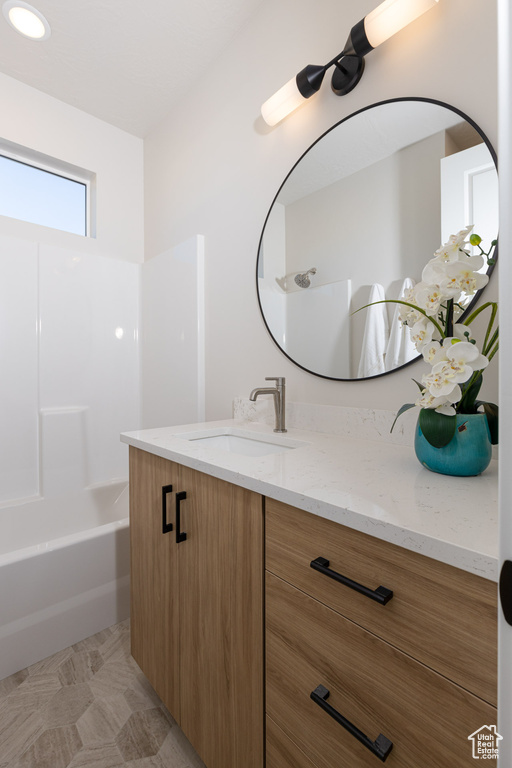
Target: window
point(44, 195)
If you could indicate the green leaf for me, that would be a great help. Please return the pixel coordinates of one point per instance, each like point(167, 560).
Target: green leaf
point(468, 401)
point(421, 387)
point(437, 428)
point(403, 409)
point(475, 314)
point(492, 412)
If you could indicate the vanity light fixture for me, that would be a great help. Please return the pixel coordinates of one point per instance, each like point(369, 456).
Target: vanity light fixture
point(26, 20)
point(380, 24)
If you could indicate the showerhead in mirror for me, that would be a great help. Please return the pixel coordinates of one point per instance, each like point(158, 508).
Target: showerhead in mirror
point(302, 278)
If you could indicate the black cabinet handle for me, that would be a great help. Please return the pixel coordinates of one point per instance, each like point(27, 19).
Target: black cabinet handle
point(381, 747)
point(166, 527)
point(506, 590)
point(381, 594)
point(180, 535)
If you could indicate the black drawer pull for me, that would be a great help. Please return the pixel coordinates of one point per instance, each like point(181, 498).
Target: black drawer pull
point(166, 527)
point(381, 594)
point(180, 535)
point(381, 747)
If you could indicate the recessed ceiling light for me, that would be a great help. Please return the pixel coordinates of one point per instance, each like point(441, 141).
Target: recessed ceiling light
point(26, 20)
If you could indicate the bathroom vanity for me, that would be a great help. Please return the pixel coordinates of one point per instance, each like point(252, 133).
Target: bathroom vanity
point(380, 597)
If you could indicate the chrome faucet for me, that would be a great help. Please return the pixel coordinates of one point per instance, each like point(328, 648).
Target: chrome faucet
point(279, 399)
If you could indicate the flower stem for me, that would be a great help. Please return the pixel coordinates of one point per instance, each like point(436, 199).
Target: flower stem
point(491, 354)
point(489, 327)
point(449, 318)
point(493, 341)
point(406, 304)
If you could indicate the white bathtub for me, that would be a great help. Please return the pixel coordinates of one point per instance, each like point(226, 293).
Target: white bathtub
point(64, 572)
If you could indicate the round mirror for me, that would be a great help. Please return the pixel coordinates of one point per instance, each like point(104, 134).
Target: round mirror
point(357, 219)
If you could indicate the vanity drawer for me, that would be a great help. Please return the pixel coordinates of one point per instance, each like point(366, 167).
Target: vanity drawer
point(379, 689)
point(281, 751)
point(438, 614)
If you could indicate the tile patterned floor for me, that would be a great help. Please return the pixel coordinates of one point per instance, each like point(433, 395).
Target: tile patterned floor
point(88, 706)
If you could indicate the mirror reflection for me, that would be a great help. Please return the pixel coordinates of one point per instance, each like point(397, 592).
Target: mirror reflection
point(357, 219)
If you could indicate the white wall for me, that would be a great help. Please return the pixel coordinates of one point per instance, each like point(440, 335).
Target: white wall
point(45, 125)
point(214, 167)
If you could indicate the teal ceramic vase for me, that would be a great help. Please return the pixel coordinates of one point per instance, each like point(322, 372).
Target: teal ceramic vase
point(468, 452)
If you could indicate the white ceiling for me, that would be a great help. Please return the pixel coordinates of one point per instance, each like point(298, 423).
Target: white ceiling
point(370, 136)
point(124, 61)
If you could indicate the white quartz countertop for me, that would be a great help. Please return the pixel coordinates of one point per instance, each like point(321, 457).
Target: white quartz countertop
point(373, 486)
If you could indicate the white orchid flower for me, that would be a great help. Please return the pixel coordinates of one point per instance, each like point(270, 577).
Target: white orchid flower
point(460, 353)
point(446, 410)
point(441, 404)
point(433, 352)
point(429, 298)
point(464, 276)
point(437, 303)
point(461, 235)
point(408, 315)
point(451, 251)
point(461, 360)
point(434, 271)
point(422, 332)
point(443, 379)
point(462, 332)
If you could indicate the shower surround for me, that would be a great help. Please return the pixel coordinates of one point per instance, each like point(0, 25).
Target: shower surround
point(70, 384)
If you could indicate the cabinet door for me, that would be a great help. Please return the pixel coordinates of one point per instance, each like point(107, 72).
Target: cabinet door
point(154, 570)
point(221, 621)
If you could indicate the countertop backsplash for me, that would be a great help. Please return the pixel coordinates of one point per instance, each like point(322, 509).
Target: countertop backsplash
point(365, 423)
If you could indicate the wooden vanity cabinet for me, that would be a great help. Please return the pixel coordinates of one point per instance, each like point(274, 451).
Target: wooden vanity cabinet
point(417, 669)
point(197, 605)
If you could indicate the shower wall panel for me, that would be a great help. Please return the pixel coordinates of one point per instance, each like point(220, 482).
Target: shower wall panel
point(19, 368)
point(173, 336)
point(70, 369)
point(89, 359)
point(318, 319)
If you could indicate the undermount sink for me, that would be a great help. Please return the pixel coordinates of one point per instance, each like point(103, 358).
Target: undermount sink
point(241, 442)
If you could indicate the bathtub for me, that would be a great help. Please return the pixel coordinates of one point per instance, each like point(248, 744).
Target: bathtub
point(64, 572)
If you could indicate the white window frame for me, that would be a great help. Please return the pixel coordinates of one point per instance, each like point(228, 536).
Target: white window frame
point(41, 162)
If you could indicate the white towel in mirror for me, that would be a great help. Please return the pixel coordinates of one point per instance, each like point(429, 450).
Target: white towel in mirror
point(376, 335)
point(400, 348)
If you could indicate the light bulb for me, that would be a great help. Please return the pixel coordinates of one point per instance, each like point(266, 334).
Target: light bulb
point(26, 20)
point(391, 16)
point(282, 103)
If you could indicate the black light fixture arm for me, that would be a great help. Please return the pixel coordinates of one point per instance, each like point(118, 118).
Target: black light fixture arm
point(357, 43)
point(349, 66)
point(310, 79)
